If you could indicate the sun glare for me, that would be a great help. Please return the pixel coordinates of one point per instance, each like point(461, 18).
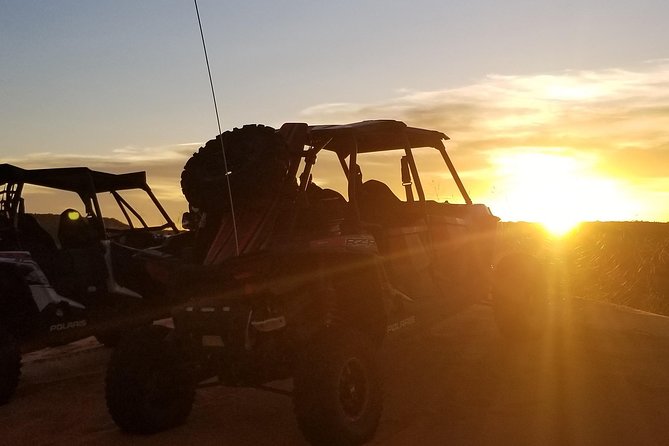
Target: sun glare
point(555, 190)
point(561, 225)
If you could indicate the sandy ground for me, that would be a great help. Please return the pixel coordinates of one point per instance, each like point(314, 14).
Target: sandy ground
point(599, 377)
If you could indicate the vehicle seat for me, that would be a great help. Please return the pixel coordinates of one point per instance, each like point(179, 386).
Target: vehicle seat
point(378, 204)
point(81, 264)
point(74, 230)
point(326, 209)
point(33, 238)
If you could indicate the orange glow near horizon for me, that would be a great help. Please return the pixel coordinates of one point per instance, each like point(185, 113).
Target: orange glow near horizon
point(557, 191)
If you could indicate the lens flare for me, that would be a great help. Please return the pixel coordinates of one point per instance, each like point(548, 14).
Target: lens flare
point(555, 190)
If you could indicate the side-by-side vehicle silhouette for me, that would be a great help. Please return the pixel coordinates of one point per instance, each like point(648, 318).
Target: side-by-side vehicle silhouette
point(75, 274)
point(292, 279)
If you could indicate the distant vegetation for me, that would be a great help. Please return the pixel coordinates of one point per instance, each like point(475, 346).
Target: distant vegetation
point(620, 262)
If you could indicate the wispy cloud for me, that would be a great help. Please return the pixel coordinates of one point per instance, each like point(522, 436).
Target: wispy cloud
point(622, 108)
point(162, 163)
point(615, 121)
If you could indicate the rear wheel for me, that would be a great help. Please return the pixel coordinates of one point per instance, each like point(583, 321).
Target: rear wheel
point(338, 398)
point(149, 384)
point(10, 365)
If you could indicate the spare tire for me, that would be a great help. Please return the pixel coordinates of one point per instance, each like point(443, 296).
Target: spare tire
point(257, 159)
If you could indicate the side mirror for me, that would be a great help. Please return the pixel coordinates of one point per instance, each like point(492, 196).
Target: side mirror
point(406, 172)
point(406, 178)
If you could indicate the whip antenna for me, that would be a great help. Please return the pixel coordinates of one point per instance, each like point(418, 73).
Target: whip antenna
point(220, 133)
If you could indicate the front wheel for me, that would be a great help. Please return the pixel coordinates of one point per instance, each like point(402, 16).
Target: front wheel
point(10, 366)
point(149, 385)
point(338, 398)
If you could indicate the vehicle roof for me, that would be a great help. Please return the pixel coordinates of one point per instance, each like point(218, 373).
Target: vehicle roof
point(75, 179)
point(373, 136)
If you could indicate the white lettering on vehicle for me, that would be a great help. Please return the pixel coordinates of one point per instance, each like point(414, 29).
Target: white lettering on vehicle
point(360, 242)
point(68, 325)
point(401, 324)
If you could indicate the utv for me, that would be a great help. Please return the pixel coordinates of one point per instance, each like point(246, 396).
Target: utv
point(78, 279)
point(292, 280)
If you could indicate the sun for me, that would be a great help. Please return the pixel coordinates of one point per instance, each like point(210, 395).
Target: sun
point(555, 190)
point(561, 225)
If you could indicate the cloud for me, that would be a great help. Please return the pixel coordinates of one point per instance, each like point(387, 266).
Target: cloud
point(614, 121)
point(163, 165)
point(118, 158)
point(512, 109)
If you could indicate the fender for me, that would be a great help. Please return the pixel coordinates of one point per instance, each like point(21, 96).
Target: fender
point(41, 290)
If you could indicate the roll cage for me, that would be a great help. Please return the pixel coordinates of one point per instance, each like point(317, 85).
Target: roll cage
point(86, 183)
point(349, 140)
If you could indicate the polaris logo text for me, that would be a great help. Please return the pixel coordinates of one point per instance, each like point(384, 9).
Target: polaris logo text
point(69, 325)
point(360, 242)
point(401, 324)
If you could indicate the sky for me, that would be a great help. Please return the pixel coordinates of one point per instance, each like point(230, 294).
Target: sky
point(553, 108)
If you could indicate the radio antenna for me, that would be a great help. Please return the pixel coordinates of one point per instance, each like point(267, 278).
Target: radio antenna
point(220, 132)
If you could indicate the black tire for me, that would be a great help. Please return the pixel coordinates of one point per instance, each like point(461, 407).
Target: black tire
point(338, 398)
point(10, 366)
point(520, 297)
point(257, 158)
point(149, 384)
